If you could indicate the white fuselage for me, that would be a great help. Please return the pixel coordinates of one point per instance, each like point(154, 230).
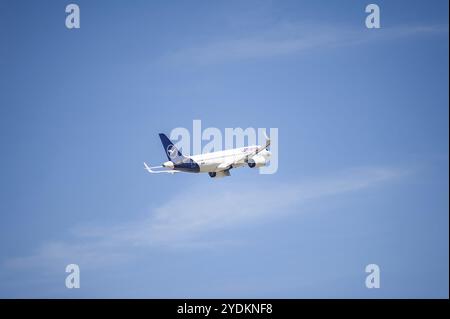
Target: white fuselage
point(210, 162)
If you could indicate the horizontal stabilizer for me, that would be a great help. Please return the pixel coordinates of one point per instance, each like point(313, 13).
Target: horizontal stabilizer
point(159, 169)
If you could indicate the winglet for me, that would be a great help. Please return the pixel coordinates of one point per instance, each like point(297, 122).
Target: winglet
point(267, 141)
point(265, 135)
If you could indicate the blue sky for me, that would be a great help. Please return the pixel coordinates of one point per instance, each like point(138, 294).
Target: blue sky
point(363, 149)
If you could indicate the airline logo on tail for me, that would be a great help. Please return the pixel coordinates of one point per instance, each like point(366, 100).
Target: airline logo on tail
point(173, 154)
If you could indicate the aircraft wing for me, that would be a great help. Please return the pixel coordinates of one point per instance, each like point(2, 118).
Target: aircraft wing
point(246, 157)
point(159, 169)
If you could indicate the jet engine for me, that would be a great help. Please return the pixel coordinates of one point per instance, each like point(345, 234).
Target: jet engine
point(219, 174)
point(256, 161)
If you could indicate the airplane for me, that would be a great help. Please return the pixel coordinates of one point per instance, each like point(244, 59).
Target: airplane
point(216, 164)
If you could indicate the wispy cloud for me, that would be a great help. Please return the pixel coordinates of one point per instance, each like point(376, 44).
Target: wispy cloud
point(191, 219)
point(288, 39)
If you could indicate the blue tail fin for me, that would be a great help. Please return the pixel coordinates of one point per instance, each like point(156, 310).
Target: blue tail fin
point(173, 154)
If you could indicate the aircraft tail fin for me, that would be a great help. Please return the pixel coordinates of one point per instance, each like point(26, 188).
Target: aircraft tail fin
point(172, 153)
